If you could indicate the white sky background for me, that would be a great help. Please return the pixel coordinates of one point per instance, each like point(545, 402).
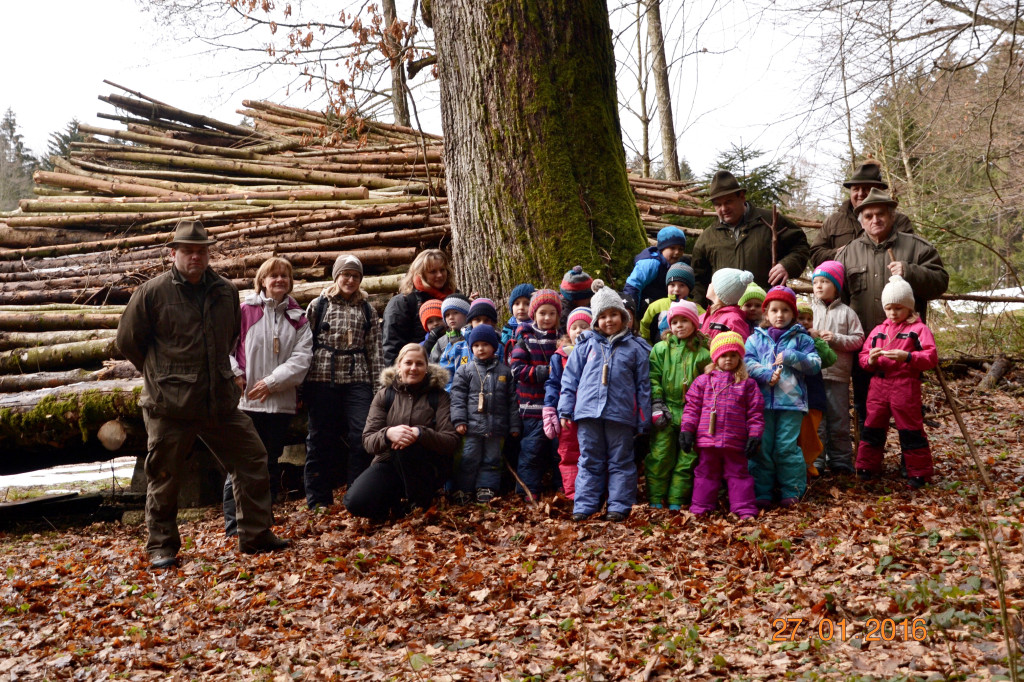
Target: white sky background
point(745, 88)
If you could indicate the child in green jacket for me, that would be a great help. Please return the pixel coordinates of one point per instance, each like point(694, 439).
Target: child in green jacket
point(675, 361)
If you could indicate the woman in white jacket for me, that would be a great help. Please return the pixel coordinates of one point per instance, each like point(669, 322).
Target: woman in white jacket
point(273, 354)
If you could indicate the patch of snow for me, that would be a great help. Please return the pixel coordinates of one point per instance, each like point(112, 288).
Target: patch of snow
point(981, 308)
point(121, 467)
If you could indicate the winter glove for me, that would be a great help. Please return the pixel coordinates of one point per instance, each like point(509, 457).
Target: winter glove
point(686, 439)
point(540, 373)
point(433, 336)
point(660, 416)
point(552, 427)
point(752, 446)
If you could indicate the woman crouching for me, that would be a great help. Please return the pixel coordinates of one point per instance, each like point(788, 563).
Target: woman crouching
point(410, 435)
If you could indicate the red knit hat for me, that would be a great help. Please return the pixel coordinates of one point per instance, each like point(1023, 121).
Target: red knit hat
point(545, 297)
point(781, 293)
point(429, 309)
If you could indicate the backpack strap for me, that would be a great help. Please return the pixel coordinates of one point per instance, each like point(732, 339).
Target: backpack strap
point(367, 315)
point(433, 398)
point(321, 308)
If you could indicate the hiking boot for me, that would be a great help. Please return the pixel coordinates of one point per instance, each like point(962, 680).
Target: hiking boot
point(160, 560)
point(865, 475)
point(656, 505)
point(916, 482)
point(580, 517)
point(788, 502)
point(615, 517)
point(485, 495)
point(269, 543)
point(675, 507)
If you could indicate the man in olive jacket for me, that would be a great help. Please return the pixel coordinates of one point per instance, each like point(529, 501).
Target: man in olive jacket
point(743, 239)
point(842, 227)
point(870, 259)
point(178, 330)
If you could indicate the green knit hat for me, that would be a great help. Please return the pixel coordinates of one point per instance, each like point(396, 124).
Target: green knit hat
point(753, 293)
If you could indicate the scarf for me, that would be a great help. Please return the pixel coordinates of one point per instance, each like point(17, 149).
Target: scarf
point(439, 294)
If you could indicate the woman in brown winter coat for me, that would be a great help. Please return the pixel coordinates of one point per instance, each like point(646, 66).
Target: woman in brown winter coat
point(410, 435)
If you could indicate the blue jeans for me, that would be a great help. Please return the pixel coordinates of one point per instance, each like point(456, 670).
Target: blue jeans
point(481, 463)
point(335, 413)
point(606, 466)
point(779, 463)
point(536, 455)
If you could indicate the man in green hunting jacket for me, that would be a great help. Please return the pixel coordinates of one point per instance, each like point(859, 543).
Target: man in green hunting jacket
point(842, 227)
point(743, 239)
point(178, 330)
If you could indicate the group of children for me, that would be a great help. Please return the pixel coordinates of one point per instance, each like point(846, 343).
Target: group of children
point(754, 390)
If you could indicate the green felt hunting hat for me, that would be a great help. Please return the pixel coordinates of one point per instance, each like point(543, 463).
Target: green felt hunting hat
point(869, 173)
point(722, 184)
point(189, 231)
point(876, 197)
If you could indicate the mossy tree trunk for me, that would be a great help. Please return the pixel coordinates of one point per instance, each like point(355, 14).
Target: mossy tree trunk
point(535, 167)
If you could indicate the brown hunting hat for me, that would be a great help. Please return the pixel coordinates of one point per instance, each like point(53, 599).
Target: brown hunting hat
point(189, 231)
point(869, 173)
point(723, 183)
point(876, 197)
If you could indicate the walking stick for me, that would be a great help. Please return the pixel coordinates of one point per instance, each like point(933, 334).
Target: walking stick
point(775, 235)
point(982, 470)
point(529, 494)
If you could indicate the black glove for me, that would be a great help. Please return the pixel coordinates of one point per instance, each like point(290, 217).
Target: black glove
point(540, 373)
point(686, 439)
point(434, 336)
point(752, 446)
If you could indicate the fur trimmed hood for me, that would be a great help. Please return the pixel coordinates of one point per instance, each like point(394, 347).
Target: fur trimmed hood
point(436, 374)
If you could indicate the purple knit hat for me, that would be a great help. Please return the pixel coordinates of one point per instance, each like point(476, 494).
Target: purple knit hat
point(834, 271)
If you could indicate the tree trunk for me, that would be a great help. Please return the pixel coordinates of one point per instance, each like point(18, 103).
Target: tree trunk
point(399, 105)
point(536, 173)
point(659, 68)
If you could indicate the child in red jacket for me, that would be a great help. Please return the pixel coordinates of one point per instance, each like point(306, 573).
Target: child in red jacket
point(897, 351)
point(727, 287)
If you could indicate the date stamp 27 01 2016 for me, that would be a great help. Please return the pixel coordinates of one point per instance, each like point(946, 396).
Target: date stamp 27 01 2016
point(874, 630)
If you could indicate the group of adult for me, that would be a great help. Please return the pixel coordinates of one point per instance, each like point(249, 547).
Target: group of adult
point(233, 375)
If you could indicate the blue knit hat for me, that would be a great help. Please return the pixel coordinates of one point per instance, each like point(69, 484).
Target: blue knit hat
point(482, 306)
point(519, 291)
point(681, 272)
point(485, 333)
point(671, 236)
point(455, 302)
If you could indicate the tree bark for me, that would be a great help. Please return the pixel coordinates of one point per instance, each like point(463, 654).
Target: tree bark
point(399, 106)
point(659, 69)
point(536, 173)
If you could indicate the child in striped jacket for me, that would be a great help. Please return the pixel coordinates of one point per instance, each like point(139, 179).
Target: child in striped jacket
point(579, 320)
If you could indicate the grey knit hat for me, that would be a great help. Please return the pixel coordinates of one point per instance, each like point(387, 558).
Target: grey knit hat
point(605, 298)
point(346, 262)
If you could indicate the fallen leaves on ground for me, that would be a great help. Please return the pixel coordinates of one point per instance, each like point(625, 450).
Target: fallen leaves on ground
point(519, 592)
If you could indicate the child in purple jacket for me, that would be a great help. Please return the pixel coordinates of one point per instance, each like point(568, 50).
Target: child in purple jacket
point(724, 415)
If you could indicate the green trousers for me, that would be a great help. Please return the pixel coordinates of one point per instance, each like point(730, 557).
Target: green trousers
point(669, 472)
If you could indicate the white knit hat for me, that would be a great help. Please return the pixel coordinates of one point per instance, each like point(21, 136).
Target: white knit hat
point(730, 284)
point(898, 291)
point(605, 298)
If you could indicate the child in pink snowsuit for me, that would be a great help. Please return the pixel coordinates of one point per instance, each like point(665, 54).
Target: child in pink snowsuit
point(724, 415)
point(897, 351)
point(724, 314)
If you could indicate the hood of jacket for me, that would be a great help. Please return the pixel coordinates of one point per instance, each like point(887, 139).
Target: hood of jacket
point(437, 377)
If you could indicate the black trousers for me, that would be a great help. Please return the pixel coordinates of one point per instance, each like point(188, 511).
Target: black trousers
point(272, 429)
point(409, 477)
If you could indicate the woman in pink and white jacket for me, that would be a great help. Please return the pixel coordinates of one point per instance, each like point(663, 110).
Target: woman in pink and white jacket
point(273, 354)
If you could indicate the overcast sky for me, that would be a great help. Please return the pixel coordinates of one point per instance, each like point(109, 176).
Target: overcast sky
point(743, 89)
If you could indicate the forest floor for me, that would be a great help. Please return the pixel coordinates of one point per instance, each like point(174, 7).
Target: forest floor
point(872, 581)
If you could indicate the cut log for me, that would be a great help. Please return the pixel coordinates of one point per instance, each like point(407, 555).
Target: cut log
point(59, 356)
point(12, 340)
point(26, 237)
point(112, 369)
point(112, 434)
point(44, 322)
point(996, 372)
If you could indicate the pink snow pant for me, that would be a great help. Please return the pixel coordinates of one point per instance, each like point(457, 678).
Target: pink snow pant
point(713, 465)
point(899, 397)
point(568, 456)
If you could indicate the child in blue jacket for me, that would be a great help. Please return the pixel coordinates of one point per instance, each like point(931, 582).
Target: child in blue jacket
point(779, 357)
point(606, 392)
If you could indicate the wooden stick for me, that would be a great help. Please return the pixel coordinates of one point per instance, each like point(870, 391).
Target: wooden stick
point(982, 469)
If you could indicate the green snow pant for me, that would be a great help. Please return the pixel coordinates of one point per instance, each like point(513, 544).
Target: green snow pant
point(669, 471)
point(780, 462)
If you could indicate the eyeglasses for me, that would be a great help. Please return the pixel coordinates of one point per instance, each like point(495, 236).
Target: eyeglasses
point(349, 274)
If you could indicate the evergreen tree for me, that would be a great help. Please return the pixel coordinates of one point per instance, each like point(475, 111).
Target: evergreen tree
point(60, 144)
point(16, 164)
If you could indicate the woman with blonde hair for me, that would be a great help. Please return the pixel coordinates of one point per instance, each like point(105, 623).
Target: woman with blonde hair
point(430, 277)
point(270, 362)
point(409, 432)
point(346, 362)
